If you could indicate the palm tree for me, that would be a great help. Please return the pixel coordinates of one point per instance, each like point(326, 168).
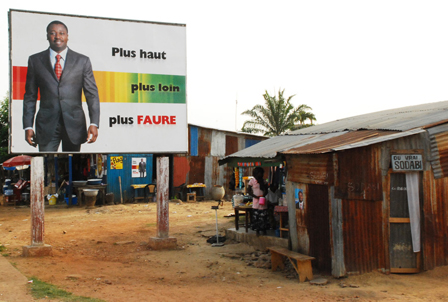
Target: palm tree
point(277, 116)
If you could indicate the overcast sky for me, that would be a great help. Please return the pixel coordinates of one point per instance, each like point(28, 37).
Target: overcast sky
point(342, 58)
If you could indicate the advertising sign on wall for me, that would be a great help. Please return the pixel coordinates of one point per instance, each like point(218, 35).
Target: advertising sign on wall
point(407, 162)
point(116, 162)
point(127, 79)
point(139, 167)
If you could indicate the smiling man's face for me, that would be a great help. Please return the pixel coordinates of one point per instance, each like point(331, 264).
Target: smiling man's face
point(58, 37)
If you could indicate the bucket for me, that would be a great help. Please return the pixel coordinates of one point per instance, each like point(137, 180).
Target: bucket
point(5, 187)
point(237, 200)
point(26, 196)
point(52, 200)
point(74, 200)
point(9, 192)
point(262, 201)
point(8, 182)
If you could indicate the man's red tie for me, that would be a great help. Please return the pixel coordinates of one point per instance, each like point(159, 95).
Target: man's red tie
point(58, 67)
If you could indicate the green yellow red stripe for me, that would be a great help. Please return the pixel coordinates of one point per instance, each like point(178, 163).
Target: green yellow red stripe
point(122, 87)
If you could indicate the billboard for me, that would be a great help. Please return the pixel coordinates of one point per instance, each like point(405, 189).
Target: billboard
point(119, 86)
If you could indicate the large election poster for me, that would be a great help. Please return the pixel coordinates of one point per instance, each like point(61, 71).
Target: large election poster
point(132, 75)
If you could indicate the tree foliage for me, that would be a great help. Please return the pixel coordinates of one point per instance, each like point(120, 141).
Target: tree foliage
point(277, 116)
point(4, 129)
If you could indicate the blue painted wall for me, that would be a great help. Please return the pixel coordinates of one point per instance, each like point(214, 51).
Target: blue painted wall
point(113, 184)
point(251, 142)
point(194, 140)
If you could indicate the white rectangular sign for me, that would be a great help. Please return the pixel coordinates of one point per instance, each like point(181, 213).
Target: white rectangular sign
point(126, 77)
point(407, 162)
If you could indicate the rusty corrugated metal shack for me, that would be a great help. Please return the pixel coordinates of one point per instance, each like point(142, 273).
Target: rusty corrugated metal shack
point(375, 187)
point(206, 146)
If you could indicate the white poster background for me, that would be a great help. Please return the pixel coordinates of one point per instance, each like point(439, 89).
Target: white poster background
point(135, 166)
point(96, 37)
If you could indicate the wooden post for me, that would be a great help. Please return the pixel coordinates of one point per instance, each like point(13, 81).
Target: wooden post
point(162, 241)
point(121, 193)
point(162, 197)
point(56, 173)
point(70, 179)
point(37, 247)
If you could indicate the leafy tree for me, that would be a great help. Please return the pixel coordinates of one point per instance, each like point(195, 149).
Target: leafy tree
point(4, 129)
point(277, 116)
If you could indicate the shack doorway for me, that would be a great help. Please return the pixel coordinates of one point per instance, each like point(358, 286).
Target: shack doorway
point(319, 226)
point(402, 250)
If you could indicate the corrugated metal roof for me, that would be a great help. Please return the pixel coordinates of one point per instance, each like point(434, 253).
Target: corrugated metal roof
point(400, 119)
point(270, 147)
point(341, 141)
point(353, 132)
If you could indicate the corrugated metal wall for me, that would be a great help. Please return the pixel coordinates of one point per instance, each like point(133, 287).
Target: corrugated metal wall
point(193, 134)
point(363, 236)
point(114, 175)
point(207, 146)
point(435, 221)
point(231, 147)
point(311, 169)
point(439, 150)
point(359, 174)
point(181, 167)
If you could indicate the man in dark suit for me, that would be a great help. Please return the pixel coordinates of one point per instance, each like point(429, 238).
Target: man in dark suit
point(60, 75)
point(142, 168)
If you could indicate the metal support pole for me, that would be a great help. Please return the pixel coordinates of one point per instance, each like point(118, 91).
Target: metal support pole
point(217, 230)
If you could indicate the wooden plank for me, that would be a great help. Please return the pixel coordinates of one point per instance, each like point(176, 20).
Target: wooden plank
point(290, 254)
point(404, 270)
point(302, 265)
point(399, 220)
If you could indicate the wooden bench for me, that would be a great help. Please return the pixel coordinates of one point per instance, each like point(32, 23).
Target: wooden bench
point(302, 263)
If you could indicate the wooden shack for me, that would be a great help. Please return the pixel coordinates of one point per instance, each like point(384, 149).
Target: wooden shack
point(375, 190)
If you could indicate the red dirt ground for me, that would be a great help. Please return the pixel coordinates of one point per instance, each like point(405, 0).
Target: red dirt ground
point(102, 253)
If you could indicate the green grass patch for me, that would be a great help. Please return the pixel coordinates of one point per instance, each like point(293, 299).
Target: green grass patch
point(2, 248)
point(150, 225)
point(43, 290)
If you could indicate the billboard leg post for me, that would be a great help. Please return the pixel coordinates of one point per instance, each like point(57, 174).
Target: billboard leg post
point(37, 247)
point(162, 241)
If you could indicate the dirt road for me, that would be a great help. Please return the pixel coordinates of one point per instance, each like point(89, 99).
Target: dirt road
point(102, 253)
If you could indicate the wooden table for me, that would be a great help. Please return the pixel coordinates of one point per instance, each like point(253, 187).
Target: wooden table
point(248, 213)
point(198, 188)
point(137, 187)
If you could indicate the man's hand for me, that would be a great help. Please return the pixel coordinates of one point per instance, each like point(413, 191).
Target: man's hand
point(92, 134)
point(29, 137)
